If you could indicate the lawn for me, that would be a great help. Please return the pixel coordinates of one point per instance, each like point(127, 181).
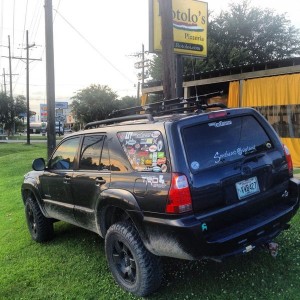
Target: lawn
point(73, 265)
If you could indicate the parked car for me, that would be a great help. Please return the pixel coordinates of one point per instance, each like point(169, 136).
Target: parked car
point(179, 181)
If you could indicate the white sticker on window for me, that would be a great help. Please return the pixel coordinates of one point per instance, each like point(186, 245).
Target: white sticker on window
point(195, 165)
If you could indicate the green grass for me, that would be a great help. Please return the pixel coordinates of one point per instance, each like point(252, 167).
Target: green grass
point(73, 265)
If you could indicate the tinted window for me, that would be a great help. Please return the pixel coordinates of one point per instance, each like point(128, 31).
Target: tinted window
point(90, 152)
point(64, 156)
point(217, 142)
point(145, 150)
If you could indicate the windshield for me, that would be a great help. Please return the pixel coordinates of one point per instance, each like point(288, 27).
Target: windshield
point(214, 143)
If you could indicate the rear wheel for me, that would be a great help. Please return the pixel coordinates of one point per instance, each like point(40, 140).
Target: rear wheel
point(134, 268)
point(40, 227)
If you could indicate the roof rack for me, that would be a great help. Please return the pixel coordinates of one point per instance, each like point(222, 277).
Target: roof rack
point(170, 106)
point(119, 120)
point(146, 112)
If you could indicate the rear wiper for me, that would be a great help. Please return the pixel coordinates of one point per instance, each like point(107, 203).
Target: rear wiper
point(250, 152)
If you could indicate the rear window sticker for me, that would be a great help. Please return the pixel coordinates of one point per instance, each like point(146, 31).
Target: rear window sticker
point(155, 134)
point(146, 141)
point(156, 169)
point(121, 137)
point(148, 162)
point(143, 134)
point(239, 151)
point(160, 145)
point(128, 135)
point(160, 154)
point(154, 156)
point(130, 142)
point(220, 124)
point(152, 148)
point(161, 161)
point(164, 168)
point(195, 165)
point(131, 151)
point(142, 153)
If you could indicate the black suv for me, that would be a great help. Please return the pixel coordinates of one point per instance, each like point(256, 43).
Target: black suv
point(175, 178)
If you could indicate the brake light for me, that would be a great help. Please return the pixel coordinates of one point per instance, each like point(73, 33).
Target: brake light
point(179, 200)
point(288, 159)
point(217, 114)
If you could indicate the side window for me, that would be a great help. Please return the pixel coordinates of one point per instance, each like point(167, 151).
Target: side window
point(91, 152)
point(64, 156)
point(145, 150)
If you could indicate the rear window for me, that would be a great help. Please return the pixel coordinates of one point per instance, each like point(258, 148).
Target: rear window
point(145, 150)
point(214, 143)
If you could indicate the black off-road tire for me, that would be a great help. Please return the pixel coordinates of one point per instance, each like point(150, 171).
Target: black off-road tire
point(134, 268)
point(40, 227)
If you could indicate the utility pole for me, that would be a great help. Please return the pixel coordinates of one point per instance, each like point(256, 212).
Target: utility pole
point(51, 139)
point(4, 78)
point(27, 88)
point(4, 81)
point(141, 64)
point(10, 72)
point(27, 59)
point(165, 7)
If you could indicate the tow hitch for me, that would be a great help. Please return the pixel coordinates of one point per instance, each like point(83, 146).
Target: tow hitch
point(273, 248)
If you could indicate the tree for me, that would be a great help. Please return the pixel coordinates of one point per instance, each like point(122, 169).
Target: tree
point(10, 109)
point(128, 101)
point(94, 103)
point(245, 35)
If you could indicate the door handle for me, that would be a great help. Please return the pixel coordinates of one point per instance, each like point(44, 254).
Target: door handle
point(67, 179)
point(100, 181)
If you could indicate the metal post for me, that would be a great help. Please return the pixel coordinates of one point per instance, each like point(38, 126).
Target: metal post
point(179, 76)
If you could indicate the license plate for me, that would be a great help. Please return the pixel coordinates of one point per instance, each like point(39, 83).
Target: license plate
point(247, 187)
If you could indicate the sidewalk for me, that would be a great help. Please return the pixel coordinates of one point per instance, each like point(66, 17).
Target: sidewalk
point(297, 176)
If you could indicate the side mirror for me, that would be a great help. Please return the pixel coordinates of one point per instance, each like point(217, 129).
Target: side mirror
point(39, 164)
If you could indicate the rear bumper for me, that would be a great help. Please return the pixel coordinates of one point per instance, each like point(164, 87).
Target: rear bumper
point(191, 237)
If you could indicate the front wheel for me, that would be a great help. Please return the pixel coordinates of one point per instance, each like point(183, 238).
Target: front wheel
point(40, 227)
point(134, 268)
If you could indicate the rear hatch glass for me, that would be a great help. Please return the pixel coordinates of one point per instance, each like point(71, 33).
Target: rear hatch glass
point(218, 142)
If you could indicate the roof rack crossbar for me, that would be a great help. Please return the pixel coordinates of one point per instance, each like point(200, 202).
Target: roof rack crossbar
point(163, 106)
point(149, 117)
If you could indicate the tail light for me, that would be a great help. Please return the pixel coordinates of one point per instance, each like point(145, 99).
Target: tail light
point(288, 159)
point(179, 200)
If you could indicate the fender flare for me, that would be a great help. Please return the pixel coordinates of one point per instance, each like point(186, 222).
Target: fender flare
point(124, 200)
point(33, 188)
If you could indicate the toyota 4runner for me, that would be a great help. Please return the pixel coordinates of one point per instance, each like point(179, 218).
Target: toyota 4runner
point(174, 178)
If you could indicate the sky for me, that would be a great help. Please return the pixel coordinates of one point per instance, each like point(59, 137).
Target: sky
point(95, 42)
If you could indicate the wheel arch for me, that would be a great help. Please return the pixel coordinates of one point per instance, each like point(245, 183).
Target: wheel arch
point(29, 189)
point(119, 205)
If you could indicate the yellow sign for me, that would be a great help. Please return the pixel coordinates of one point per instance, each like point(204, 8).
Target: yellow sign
point(189, 27)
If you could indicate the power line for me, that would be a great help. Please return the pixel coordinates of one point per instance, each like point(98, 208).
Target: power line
point(91, 45)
